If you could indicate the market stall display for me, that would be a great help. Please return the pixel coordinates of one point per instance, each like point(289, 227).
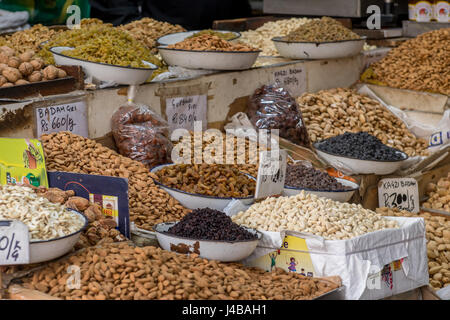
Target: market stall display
point(148, 204)
point(439, 195)
point(261, 38)
point(438, 245)
point(302, 177)
point(308, 213)
point(209, 52)
point(23, 69)
point(158, 274)
point(319, 39)
point(148, 30)
point(272, 107)
point(360, 153)
point(419, 64)
point(332, 112)
point(53, 229)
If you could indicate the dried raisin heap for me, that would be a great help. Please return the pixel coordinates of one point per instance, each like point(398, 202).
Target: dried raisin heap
point(300, 176)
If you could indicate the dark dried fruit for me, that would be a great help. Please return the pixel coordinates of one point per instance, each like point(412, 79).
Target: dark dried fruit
point(210, 224)
point(300, 176)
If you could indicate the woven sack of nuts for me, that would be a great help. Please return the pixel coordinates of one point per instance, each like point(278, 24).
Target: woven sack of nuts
point(141, 135)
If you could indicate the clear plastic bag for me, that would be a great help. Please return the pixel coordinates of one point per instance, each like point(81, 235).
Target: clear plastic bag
point(141, 135)
point(272, 107)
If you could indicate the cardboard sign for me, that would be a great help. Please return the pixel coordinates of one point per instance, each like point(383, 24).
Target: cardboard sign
point(111, 193)
point(293, 79)
point(271, 174)
point(22, 162)
point(14, 243)
point(400, 193)
point(182, 112)
point(63, 117)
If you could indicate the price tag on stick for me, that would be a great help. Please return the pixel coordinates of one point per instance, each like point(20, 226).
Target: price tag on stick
point(14, 243)
point(271, 173)
point(400, 193)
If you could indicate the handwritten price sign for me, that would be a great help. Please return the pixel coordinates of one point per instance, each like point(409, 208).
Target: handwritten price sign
point(400, 193)
point(182, 112)
point(14, 243)
point(271, 174)
point(65, 117)
point(292, 79)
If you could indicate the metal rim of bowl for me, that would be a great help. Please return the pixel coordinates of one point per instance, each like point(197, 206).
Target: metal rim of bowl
point(194, 194)
point(353, 158)
point(238, 34)
point(102, 63)
point(205, 51)
point(258, 235)
point(279, 39)
point(86, 223)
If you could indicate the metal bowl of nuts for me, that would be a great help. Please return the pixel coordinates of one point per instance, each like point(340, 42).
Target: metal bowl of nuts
point(318, 50)
point(220, 250)
point(192, 200)
point(46, 250)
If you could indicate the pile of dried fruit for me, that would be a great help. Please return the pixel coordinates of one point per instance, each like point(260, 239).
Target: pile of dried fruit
point(245, 152)
point(121, 272)
point(301, 176)
point(422, 63)
point(100, 227)
point(216, 180)
point(261, 38)
point(148, 204)
point(208, 42)
point(210, 224)
point(23, 69)
point(439, 194)
point(45, 220)
point(438, 245)
point(308, 213)
point(332, 112)
point(148, 30)
point(323, 30)
point(222, 35)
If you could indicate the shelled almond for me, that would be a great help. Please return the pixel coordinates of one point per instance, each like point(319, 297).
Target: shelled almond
point(439, 194)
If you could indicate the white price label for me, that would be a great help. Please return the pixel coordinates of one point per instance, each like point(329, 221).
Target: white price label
point(400, 193)
point(293, 79)
point(65, 117)
point(271, 174)
point(14, 243)
point(182, 112)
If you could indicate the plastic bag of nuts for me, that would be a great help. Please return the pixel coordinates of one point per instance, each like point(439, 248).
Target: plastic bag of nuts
point(141, 135)
point(272, 107)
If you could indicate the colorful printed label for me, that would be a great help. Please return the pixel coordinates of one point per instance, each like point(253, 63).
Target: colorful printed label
point(109, 204)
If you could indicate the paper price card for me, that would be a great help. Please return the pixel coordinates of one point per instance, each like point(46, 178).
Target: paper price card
point(400, 193)
point(182, 112)
point(14, 243)
point(292, 79)
point(63, 117)
point(271, 173)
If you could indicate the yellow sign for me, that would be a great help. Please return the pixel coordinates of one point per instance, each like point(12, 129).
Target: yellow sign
point(22, 162)
point(293, 256)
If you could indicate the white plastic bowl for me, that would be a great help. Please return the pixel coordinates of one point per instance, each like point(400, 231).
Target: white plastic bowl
point(46, 250)
point(180, 36)
point(225, 251)
point(209, 60)
point(318, 50)
point(105, 72)
point(358, 166)
point(340, 195)
point(196, 201)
